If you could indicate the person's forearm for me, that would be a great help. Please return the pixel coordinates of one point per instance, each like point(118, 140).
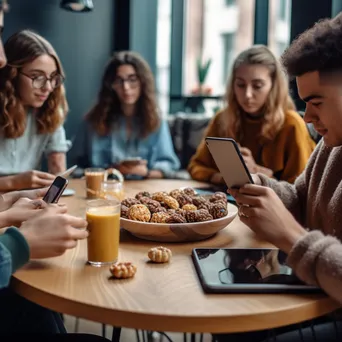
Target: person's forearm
point(155, 174)
point(56, 162)
point(14, 253)
point(4, 219)
point(264, 170)
point(316, 259)
point(216, 178)
point(8, 183)
point(201, 173)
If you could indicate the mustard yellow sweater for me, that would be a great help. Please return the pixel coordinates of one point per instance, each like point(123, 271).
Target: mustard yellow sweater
point(286, 155)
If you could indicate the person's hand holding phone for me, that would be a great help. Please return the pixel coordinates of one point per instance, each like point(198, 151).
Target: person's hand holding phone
point(32, 179)
point(51, 232)
point(138, 168)
point(264, 212)
point(22, 210)
point(9, 198)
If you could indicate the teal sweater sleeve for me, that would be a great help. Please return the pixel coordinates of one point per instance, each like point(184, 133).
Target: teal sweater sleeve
point(14, 253)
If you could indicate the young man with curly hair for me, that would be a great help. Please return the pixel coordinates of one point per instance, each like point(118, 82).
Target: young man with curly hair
point(304, 219)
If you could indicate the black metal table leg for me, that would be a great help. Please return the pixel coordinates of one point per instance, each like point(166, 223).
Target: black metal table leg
point(116, 334)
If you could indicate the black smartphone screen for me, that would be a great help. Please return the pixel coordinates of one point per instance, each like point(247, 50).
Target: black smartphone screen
point(56, 189)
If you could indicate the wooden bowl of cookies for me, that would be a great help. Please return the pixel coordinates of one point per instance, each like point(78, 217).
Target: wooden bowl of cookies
point(178, 216)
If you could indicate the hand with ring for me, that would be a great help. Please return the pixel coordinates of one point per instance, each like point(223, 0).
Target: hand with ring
point(241, 211)
point(263, 211)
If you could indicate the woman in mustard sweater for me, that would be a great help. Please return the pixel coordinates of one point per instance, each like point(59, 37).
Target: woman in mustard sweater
point(261, 117)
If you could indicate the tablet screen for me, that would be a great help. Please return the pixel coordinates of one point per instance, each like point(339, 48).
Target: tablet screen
point(211, 190)
point(249, 268)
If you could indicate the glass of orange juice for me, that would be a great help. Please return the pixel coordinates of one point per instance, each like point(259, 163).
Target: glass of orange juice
point(103, 217)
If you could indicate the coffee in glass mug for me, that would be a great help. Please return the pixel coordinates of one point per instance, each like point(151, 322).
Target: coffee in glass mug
point(94, 178)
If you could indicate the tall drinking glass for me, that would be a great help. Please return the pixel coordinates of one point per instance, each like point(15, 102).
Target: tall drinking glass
point(103, 217)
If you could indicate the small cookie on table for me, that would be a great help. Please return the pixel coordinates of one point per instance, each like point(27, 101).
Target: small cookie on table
point(160, 254)
point(123, 270)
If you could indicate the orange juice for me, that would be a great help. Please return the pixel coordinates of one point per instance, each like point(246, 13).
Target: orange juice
point(104, 234)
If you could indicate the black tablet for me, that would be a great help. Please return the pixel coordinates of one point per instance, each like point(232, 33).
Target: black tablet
point(212, 189)
point(251, 270)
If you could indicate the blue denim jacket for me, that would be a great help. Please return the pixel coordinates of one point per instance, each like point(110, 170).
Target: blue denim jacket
point(14, 253)
point(106, 151)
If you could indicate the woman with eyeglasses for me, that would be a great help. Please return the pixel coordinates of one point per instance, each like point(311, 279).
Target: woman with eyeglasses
point(32, 111)
point(124, 128)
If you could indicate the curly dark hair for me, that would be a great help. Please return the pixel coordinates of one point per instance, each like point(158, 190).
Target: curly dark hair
point(21, 48)
point(317, 49)
point(106, 113)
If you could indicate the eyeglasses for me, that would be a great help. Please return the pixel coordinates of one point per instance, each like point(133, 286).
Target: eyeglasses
point(40, 81)
point(132, 81)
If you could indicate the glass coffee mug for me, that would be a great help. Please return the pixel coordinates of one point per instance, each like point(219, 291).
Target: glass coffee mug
point(103, 217)
point(94, 178)
point(112, 188)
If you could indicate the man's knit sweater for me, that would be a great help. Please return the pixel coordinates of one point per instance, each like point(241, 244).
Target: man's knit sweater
point(315, 199)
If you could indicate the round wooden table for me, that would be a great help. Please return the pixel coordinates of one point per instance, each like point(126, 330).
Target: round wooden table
point(165, 297)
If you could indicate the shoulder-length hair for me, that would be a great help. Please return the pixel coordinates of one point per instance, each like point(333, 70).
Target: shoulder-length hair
point(21, 48)
point(106, 113)
point(278, 101)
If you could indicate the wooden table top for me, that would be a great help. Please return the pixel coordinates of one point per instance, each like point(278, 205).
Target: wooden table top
point(165, 297)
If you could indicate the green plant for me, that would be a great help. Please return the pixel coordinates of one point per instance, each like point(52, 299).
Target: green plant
point(202, 70)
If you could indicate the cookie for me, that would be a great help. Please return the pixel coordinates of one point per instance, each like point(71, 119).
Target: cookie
point(151, 204)
point(189, 191)
point(159, 217)
point(175, 193)
point(124, 211)
point(159, 196)
point(160, 254)
point(189, 207)
point(175, 218)
point(142, 194)
point(123, 270)
point(200, 215)
point(170, 202)
point(218, 210)
point(139, 212)
point(128, 202)
point(218, 196)
point(183, 199)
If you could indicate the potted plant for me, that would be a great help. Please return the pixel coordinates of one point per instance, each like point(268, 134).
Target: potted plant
point(196, 103)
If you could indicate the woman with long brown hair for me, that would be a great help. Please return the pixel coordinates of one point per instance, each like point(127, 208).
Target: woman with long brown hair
point(260, 115)
point(32, 112)
point(124, 128)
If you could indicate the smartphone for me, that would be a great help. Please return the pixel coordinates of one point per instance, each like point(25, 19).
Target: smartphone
point(132, 161)
point(229, 161)
point(56, 189)
point(68, 172)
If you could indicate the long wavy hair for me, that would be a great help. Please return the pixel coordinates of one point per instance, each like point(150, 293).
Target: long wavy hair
point(277, 103)
point(106, 113)
point(21, 48)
